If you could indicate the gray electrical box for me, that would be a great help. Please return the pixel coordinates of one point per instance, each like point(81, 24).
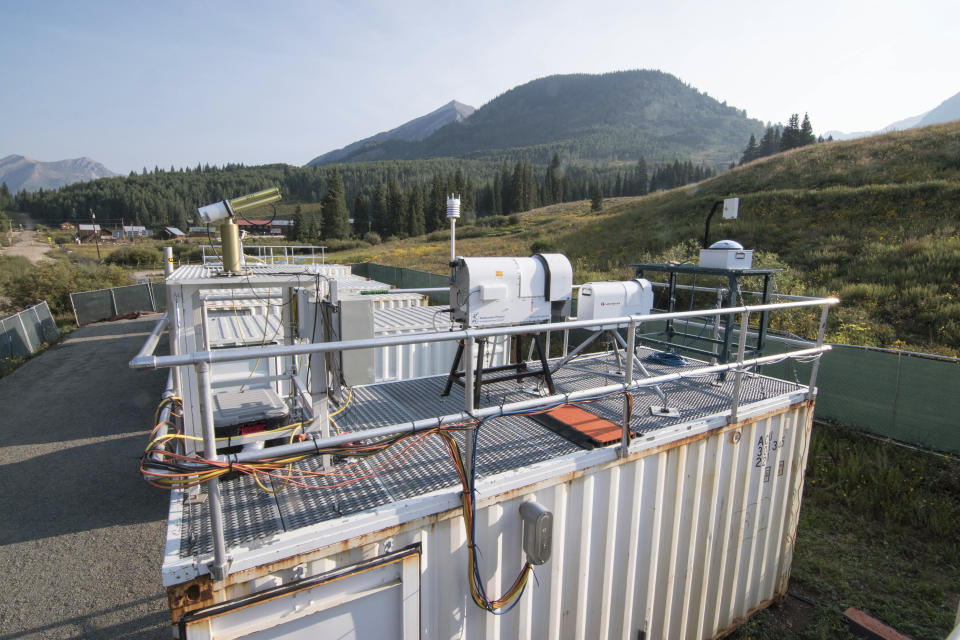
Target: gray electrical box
point(537, 532)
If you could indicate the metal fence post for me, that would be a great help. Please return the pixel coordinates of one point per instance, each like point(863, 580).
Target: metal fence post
point(26, 336)
point(468, 382)
point(114, 299)
point(74, 307)
point(9, 340)
point(220, 561)
point(153, 303)
point(814, 370)
point(628, 378)
point(40, 331)
point(738, 377)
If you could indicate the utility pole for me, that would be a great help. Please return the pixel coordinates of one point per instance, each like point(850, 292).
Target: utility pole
point(96, 235)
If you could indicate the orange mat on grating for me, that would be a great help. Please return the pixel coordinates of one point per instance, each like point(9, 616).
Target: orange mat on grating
point(580, 426)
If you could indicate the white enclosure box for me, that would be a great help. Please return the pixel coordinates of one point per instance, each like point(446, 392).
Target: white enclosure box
point(726, 254)
point(614, 299)
point(500, 292)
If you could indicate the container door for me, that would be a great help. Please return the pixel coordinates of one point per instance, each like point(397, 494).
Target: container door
point(375, 599)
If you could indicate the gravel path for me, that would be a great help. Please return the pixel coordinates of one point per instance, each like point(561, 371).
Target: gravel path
point(81, 537)
point(27, 244)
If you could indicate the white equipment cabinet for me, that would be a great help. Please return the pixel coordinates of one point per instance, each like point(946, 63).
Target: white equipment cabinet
point(600, 300)
point(501, 292)
point(726, 254)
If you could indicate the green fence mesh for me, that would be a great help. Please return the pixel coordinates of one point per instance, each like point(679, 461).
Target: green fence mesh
point(93, 306)
point(23, 333)
point(133, 298)
point(405, 279)
point(909, 397)
point(13, 339)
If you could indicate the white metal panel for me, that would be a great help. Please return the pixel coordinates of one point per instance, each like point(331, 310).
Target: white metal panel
point(681, 539)
point(371, 602)
point(407, 361)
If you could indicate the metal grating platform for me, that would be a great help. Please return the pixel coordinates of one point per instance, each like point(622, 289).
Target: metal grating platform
point(505, 444)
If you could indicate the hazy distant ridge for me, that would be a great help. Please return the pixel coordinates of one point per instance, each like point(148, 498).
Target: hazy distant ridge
point(21, 172)
point(412, 131)
point(947, 111)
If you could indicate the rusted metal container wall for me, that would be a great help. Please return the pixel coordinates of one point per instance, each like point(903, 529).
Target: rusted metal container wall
point(680, 540)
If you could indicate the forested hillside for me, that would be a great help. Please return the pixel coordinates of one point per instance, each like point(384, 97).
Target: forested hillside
point(610, 117)
point(390, 198)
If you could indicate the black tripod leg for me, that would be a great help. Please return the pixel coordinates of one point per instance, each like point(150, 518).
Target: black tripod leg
point(518, 355)
point(544, 364)
point(478, 374)
point(453, 369)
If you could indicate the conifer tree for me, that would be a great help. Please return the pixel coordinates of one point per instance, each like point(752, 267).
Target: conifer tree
point(806, 131)
point(361, 214)
point(643, 180)
point(336, 216)
point(397, 223)
point(790, 137)
point(596, 196)
point(752, 152)
point(299, 228)
point(435, 211)
point(378, 210)
point(415, 217)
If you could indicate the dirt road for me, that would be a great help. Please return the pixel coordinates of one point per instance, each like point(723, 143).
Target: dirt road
point(28, 245)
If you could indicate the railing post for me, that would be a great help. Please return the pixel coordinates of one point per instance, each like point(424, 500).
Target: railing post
point(218, 569)
point(628, 378)
point(815, 369)
point(114, 299)
point(167, 262)
point(738, 376)
point(468, 382)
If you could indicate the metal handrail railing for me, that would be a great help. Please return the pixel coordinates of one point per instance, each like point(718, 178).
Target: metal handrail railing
point(202, 360)
point(269, 253)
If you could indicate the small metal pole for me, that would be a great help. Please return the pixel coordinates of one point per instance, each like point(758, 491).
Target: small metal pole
point(815, 369)
point(738, 377)
point(566, 340)
point(627, 379)
point(167, 262)
point(716, 325)
point(114, 299)
point(218, 569)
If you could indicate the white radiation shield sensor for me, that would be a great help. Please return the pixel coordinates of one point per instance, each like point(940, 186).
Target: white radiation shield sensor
point(218, 211)
point(731, 206)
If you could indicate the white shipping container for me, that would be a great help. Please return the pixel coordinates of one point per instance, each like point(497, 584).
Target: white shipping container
point(683, 538)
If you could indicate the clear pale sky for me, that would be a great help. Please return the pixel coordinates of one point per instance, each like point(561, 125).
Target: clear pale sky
point(135, 84)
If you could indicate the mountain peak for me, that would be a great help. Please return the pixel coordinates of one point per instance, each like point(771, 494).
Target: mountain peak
point(22, 172)
point(624, 114)
point(413, 131)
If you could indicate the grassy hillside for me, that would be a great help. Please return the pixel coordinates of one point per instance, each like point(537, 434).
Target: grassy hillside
point(874, 221)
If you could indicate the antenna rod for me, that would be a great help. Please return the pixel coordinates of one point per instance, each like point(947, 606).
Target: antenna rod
point(706, 232)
